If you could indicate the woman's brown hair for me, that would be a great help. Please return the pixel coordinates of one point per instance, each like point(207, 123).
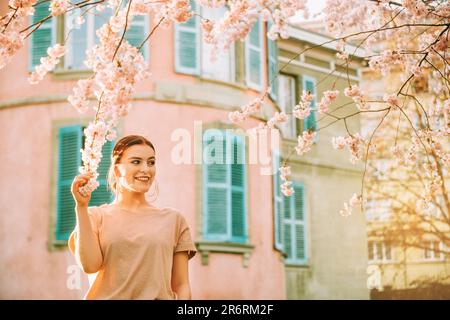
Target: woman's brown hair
point(120, 147)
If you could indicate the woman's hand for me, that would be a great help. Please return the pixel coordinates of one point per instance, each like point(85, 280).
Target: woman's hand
point(77, 183)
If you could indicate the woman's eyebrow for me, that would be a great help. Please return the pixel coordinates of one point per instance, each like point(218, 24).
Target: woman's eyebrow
point(141, 158)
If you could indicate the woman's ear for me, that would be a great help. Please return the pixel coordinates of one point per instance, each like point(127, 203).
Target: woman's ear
point(116, 171)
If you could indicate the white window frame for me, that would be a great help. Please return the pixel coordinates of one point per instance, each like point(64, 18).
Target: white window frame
point(289, 128)
point(434, 256)
point(204, 59)
point(375, 255)
point(90, 38)
point(249, 46)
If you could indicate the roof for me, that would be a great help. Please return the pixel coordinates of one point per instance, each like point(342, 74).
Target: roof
point(316, 38)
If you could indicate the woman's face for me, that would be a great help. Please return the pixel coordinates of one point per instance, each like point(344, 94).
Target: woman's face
point(136, 170)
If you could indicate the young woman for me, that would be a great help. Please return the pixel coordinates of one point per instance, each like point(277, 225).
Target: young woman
point(136, 250)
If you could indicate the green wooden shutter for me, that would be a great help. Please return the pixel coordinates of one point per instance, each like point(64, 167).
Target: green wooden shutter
point(69, 159)
point(238, 201)
point(216, 186)
point(253, 59)
point(102, 195)
point(295, 226)
point(187, 53)
point(288, 227)
point(277, 203)
point(43, 37)
point(272, 65)
point(310, 121)
point(300, 238)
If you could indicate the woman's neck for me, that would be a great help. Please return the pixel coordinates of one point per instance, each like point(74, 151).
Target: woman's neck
point(129, 200)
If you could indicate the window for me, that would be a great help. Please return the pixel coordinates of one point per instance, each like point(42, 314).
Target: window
point(289, 219)
point(43, 37)
point(84, 37)
point(224, 193)
point(70, 141)
point(272, 50)
point(222, 68)
point(286, 101)
point(193, 56)
point(277, 203)
point(79, 39)
point(378, 209)
point(294, 226)
point(432, 250)
point(254, 56)
point(187, 44)
point(309, 84)
point(379, 251)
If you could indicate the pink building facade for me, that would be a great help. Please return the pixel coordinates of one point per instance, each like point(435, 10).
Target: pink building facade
point(244, 250)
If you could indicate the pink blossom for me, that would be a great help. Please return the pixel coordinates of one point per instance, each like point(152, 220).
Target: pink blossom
point(347, 211)
point(284, 172)
point(353, 143)
point(386, 61)
point(247, 110)
point(338, 143)
point(353, 91)
point(47, 63)
point(236, 117)
point(441, 45)
point(278, 117)
point(305, 142)
point(207, 26)
point(328, 97)
point(355, 200)
point(21, 3)
point(287, 189)
point(57, 51)
point(392, 99)
point(301, 111)
point(307, 96)
point(348, 207)
point(59, 7)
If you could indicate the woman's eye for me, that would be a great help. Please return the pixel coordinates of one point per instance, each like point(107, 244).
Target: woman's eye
point(135, 162)
point(152, 163)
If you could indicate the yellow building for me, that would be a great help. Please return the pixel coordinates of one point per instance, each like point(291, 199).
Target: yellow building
point(408, 252)
point(408, 243)
point(336, 246)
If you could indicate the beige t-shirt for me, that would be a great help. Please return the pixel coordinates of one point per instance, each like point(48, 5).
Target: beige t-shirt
point(138, 249)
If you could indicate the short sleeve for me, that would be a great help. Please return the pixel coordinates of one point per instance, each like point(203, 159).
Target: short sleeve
point(184, 237)
point(95, 219)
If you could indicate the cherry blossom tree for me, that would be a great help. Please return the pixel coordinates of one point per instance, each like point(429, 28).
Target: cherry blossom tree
point(420, 29)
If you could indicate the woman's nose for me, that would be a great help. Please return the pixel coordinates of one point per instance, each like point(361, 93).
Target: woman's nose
point(146, 166)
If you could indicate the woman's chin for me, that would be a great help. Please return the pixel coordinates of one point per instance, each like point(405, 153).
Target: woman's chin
point(139, 189)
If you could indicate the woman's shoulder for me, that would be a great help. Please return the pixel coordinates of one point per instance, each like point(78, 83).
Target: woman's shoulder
point(170, 211)
point(176, 215)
